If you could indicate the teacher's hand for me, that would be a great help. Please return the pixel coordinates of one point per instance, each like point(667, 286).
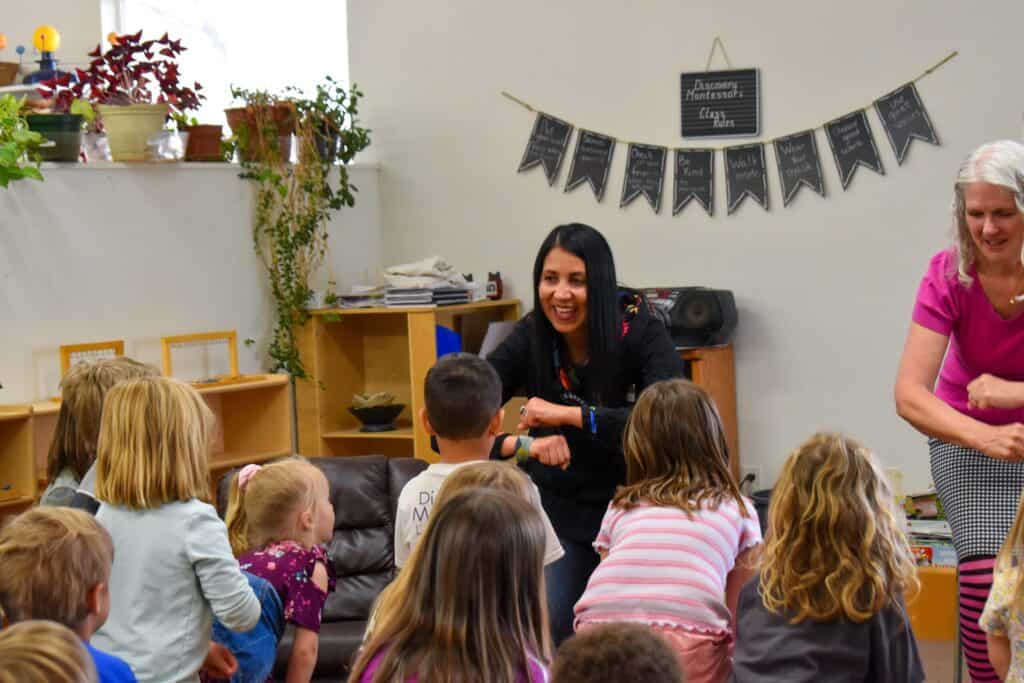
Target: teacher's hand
point(989, 391)
point(1003, 442)
point(540, 413)
point(551, 450)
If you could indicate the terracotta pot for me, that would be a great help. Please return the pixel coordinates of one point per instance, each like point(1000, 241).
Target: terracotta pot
point(243, 121)
point(129, 127)
point(8, 73)
point(203, 143)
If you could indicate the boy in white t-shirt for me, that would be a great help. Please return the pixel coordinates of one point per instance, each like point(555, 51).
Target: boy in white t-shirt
point(463, 413)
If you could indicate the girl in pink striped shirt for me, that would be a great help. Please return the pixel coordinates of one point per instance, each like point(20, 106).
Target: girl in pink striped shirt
point(679, 540)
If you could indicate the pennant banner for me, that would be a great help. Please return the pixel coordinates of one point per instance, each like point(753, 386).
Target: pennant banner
point(548, 140)
point(695, 179)
point(904, 118)
point(592, 161)
point(645, 174)
point(853, 145)
point(746, 175)
point(799, 165)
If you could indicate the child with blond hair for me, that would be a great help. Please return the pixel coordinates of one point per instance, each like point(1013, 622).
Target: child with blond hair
point(43, 652)
point(56, 566)
point(678, 540)
point(1002, 618)
point(828, 604)
point(173, 567)
point(73, 446)
point(279, 516)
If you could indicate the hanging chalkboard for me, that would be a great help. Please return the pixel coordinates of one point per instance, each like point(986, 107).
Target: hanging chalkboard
point(695, 179)
point(546, 146)
point(721, 103)
point(745, 175)
point(853, 145)
point(799, 164)
point(592, 161)
point(645, 174)
point(904, 118)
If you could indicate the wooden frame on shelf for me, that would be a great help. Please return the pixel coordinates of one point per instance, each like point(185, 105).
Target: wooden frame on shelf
point(230, 337)
point(68, 350)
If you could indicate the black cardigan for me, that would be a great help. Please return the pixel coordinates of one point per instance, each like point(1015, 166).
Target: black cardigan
point(576, 499)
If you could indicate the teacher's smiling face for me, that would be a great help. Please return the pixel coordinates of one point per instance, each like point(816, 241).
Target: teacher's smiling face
point(562, 291)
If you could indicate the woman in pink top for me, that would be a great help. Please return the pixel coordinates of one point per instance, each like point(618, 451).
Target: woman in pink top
point(961, 377)
point(679, 540)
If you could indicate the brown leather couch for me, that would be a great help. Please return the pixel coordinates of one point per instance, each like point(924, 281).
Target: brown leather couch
point(364, 491)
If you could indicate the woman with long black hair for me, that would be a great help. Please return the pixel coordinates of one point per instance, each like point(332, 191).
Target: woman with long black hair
point(582, 356)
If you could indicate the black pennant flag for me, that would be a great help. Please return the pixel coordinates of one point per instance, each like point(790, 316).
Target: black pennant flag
point(853, 145)
point(904, 118)
point(645, 174)
point(695, 179)
point(745, 174)
point(592, 161)
point(548, 140)
point(799, 164)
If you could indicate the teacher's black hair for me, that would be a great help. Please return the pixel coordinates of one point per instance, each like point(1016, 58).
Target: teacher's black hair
point(604, 317)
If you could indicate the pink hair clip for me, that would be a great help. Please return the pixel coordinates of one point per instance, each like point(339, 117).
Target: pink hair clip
point(246, 474)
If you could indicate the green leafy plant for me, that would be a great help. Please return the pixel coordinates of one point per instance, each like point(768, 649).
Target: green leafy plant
point(17, 143)
point(295, 201)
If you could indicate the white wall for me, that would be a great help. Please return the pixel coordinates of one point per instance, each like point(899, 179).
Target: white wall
point(824, 286)
point(142, 251)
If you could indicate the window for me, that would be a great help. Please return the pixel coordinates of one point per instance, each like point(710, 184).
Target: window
point(254, 45)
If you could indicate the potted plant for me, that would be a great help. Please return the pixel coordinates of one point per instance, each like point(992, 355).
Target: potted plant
point(263, 118)
point(17, 143)
point(204, 140)
point(295, 201)
point(63, 122)
point(135, 84)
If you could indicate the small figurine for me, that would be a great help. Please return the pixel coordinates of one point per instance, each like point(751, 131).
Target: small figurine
point(494, 288)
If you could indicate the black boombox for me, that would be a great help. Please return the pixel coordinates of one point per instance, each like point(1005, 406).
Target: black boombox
point(695, 316)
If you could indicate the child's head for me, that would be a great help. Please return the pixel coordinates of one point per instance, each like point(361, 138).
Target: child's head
point(44, 652)
point(675, 448)
point(153, 441)
point(491, 474)
point(462, 398)
point(833, 548)
point(284, 500)
point(56, 564)
point(616, 652)
point(83, 389)
point(474, 603)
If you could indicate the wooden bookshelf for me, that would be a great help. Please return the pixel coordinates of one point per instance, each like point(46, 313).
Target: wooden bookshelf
point(714, 369)
point(17, 471)
point(367, 350)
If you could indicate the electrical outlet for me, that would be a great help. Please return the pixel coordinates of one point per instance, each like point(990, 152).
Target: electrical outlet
point(749, 483)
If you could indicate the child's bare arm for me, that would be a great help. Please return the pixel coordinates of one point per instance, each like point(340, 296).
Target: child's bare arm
point(307, 643)
point(999, 654)
point(744, 569)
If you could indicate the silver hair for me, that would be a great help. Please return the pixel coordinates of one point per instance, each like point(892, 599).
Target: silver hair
point(998, 163)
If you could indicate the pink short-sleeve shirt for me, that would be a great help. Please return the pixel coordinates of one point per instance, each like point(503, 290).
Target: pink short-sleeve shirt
point(980, 340)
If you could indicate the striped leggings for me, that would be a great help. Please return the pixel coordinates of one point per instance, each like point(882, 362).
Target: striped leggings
point(975, 584)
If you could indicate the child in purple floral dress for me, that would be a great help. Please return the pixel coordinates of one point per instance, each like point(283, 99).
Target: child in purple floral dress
point(278, 516)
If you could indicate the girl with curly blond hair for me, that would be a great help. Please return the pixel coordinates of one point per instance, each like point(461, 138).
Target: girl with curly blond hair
point(828, 604)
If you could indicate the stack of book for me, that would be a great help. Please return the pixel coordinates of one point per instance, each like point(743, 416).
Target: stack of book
point(929, 534)
point(448, 296)
point(397, 296)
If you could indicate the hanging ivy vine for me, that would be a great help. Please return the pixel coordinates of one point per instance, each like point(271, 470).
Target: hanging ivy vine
point(295, 200)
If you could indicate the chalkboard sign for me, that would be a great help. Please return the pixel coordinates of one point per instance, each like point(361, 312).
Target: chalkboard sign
point(695, 179)
point(592, 161)
point(745, 175)
point(721, 103)
point(645, 174)
point(904, 118)
point(853, 145)
point(799, 164)
point(546, 146)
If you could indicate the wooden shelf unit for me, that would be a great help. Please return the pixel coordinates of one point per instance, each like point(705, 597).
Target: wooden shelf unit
point(367, 350)
point(253, 424)
point(714, 369)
